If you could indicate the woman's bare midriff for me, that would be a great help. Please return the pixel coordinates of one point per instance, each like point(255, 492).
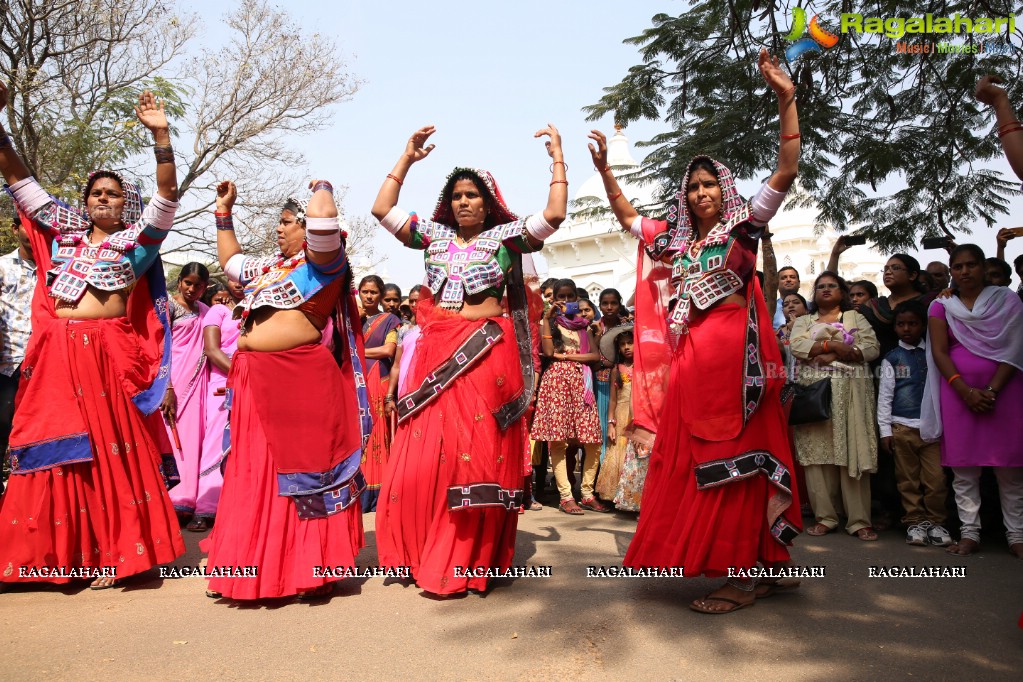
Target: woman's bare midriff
point(274, 330)
point(95, 304)
point(734, 298)
point(481, 306)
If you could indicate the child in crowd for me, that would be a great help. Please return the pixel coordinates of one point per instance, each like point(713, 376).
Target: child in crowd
point(918, 471)
point(793, 306)
point(618, 344)
point(610, 302)
point(566, 408)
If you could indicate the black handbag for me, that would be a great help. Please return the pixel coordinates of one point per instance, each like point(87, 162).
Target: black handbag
point(810, 403)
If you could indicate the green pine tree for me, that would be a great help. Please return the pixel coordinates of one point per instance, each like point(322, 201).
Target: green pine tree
point(894, 144)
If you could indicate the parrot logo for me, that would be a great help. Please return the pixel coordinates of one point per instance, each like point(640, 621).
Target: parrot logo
point(818, 40)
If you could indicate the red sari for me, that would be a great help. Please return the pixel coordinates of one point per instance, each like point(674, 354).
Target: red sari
point(726, 525)
point(454, 441)
point(719, 492)
point(106, 506)
point(285, 401)
point(378, 372)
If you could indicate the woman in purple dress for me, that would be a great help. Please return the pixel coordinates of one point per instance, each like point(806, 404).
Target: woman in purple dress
point(975, 394)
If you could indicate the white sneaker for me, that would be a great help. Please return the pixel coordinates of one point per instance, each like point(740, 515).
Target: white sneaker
point(917, 535)
point(938, 536)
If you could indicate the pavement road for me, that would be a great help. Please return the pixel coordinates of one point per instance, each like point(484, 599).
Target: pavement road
point(843, 626)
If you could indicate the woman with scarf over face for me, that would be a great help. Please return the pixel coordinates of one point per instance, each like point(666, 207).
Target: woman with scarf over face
point(86, 492)
point(454, 481)
point(718, 494)
point(380, 333)
point(299, 410)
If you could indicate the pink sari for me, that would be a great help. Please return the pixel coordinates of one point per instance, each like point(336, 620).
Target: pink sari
point(408, 350)
point(217, 441)
point(189, 376)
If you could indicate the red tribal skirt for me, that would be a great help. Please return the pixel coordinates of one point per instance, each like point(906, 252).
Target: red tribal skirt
point(712, 527)
point(452, 442)
point(257, 527)
point(111, 512)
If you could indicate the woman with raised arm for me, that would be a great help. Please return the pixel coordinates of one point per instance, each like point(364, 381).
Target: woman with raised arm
point(86, 495)
point(299, 412)
point(719, 492)
point(1010, 130)
point(454, 482)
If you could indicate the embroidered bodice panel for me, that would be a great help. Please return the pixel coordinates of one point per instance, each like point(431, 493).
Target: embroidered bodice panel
point(117, 263)
point(287, 284)
point(704, 273)
point(114, 264)
point(454, 271)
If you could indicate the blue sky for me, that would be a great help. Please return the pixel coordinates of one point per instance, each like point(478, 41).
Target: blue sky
point(488, 76)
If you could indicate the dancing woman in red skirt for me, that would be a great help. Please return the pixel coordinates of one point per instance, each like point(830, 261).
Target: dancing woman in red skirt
point(299, 413)
point(87, 494)
point(453, 484)
point(719, 495)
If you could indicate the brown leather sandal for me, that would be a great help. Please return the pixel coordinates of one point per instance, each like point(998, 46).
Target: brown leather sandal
point(700, 605)
point(569, 506)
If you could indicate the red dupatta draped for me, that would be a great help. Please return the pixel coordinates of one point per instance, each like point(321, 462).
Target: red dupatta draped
point(651, 347)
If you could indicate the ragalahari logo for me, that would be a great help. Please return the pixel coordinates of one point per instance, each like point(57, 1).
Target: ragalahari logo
point(818, 40)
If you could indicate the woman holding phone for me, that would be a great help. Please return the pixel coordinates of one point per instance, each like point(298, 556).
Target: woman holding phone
point(566, 406)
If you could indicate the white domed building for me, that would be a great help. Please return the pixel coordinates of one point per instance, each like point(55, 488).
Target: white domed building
point(597, 254)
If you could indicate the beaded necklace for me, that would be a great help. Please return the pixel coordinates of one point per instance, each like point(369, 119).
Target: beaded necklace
point(281, 262)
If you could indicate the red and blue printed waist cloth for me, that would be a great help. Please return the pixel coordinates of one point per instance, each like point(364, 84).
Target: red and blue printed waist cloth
point(312, 401)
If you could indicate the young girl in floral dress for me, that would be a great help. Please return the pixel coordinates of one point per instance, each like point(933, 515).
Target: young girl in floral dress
point(566, 408)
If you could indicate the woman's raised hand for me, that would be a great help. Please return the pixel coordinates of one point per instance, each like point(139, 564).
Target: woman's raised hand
point(227, 193)
point(556, 308)
point(414, 148)
point(598, 153)
point(321, 204)
point(1004, 235)
point(554, 143)
point(150, 112)
point(774, 75)
point(987, 92)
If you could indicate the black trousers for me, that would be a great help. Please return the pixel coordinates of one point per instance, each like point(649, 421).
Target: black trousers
point(8, 388)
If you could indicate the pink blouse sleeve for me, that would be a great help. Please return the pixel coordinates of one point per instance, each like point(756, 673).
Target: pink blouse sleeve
point(215, 316)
